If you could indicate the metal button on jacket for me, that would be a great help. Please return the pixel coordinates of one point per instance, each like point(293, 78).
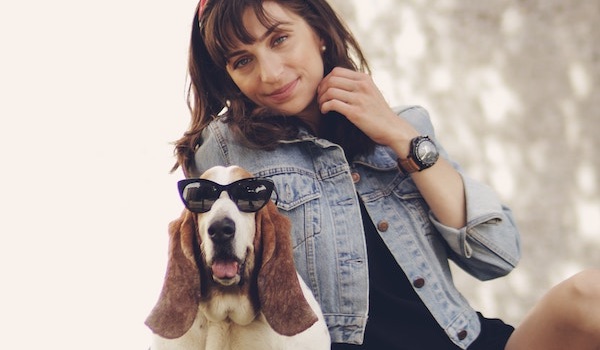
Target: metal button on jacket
point(419, 282)
point(383, 226)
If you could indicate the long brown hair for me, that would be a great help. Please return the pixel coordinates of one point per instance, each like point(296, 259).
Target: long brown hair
point(211, 90)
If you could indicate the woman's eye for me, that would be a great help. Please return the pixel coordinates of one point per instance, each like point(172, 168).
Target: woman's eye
point(279, 40)
point(241, 62)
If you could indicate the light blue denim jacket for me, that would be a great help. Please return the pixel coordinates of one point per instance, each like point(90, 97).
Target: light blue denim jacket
point(317, 189)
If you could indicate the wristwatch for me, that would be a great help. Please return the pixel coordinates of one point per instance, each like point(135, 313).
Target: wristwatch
point(422, 154)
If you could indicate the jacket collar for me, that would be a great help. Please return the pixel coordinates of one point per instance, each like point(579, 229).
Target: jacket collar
point(382, 158)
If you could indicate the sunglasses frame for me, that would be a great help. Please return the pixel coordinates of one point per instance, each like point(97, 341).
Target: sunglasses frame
point(268, 183)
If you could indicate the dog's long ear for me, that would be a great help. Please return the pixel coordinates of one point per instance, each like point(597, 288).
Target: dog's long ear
point(177, 304)
point(280, 294)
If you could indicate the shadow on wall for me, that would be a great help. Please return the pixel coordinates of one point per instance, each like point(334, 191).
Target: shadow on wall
point(513, 90)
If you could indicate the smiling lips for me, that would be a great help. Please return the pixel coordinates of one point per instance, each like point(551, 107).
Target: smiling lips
point(283, 93)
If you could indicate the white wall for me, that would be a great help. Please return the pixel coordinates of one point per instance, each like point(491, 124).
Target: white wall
point(91, 95)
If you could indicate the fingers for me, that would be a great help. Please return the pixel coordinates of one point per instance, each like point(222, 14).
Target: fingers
point(343, 88)
point(344, 79)
point(355, 95)
point(337, 106)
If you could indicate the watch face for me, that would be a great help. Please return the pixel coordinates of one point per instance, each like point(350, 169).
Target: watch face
point(427, 152)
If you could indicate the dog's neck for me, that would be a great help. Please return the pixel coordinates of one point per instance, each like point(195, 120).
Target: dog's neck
point(227, 304)
point(237, 303)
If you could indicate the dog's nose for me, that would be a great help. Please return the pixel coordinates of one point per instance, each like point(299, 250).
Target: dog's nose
point(222, 230)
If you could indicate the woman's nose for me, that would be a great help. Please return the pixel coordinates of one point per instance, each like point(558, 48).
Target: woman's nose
point(270, 69)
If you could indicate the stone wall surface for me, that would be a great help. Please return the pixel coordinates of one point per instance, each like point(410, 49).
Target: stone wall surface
point(513, 91)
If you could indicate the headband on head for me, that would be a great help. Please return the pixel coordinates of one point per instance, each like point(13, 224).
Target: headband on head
point(201, 7)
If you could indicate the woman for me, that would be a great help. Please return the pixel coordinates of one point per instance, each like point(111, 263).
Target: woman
point(282, 89)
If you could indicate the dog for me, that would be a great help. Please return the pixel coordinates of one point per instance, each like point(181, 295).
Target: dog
point(231, 282)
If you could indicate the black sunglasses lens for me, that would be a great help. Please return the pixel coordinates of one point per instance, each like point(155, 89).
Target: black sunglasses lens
point(199, 197)
point(251, 194)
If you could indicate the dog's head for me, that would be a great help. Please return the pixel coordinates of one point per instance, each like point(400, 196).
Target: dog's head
point(218, 243)
point(226, 234)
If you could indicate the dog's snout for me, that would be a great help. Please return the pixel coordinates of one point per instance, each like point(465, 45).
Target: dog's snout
point(222, 230)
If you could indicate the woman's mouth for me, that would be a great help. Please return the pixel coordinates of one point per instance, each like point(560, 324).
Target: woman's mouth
point(282, 94)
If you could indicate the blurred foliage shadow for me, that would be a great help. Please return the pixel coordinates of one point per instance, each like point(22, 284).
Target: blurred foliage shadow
point(512, 87)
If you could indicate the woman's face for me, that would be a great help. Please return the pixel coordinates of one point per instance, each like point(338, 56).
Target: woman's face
point(282, 68)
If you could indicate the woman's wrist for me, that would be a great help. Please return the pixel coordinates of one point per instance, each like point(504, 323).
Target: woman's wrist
point(402, 143)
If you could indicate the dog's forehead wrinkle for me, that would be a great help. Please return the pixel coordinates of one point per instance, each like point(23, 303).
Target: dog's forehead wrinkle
point(225, 175)
point(239, 173)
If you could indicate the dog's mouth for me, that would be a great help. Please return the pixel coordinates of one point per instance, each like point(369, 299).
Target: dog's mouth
point(227, 271)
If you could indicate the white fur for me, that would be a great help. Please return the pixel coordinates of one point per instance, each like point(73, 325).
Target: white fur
point(245, 229)
point(257, 335)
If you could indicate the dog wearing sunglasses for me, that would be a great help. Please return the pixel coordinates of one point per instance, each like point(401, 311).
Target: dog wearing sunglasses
point(231, 281)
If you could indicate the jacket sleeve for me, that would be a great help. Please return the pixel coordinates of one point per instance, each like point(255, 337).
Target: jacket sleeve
point(489, 245)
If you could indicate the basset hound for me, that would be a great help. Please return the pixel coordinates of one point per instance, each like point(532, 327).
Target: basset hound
point(231, 281)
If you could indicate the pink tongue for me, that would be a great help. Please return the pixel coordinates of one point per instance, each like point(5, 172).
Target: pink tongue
point(225, 269)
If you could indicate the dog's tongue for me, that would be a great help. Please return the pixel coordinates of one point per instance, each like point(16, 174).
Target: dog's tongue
point(225, 269)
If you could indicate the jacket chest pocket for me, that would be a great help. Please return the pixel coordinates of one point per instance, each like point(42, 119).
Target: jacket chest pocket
point(412, 202)
point(298, 197)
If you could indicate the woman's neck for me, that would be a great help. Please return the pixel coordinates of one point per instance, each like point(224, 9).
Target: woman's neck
point(312, 117)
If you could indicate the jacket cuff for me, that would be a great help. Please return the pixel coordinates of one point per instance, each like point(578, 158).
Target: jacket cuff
point(482, 206)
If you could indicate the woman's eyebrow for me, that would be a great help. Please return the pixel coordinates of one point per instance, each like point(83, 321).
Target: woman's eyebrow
point(265, 35)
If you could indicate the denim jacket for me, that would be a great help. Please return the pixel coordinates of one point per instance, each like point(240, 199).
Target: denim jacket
point(318, 190)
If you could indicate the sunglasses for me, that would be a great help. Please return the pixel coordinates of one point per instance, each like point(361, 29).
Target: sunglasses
point(249, 195)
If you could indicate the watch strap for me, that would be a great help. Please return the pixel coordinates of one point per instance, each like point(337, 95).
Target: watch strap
point(408, 165)
point(411, 163)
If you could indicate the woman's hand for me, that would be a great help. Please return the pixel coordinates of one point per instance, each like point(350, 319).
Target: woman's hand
point(356, 96)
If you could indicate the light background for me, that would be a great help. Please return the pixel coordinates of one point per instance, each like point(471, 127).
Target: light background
point(92, 94)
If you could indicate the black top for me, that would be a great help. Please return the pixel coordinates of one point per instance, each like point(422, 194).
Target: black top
point(398, 319)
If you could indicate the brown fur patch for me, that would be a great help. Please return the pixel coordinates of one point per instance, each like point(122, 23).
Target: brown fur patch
point(282, 301)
